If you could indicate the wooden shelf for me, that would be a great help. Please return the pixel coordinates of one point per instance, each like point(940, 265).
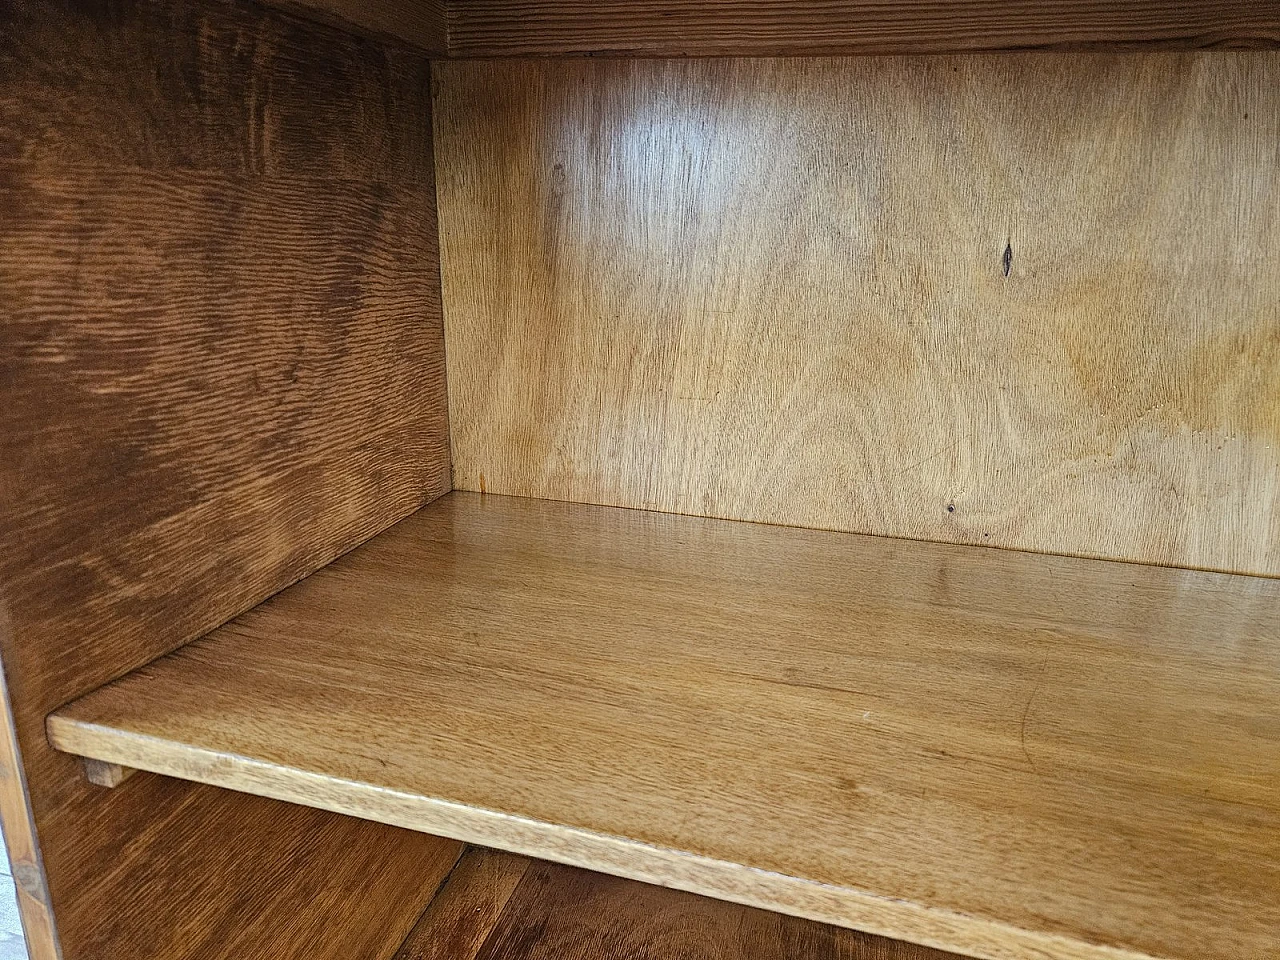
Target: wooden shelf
point(1006, 755)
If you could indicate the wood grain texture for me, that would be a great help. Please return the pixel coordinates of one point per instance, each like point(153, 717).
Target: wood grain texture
point(1007, 755)
point(463, 914)
point(561, 913)
point(423, 24)
point(777, 291)
point(215, 874)
point(684, 28)
point(220, 371)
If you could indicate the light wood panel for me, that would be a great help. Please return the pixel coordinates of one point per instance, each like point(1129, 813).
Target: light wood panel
point(29, 884)
point(220, 371)
point(1024, 301)
point(512, 908)
point(1006, 755)
point(671, 28)
point(109, 775)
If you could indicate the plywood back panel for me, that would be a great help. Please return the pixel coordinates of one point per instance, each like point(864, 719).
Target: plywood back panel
point(670, 28)
point(1023, 301)
point(222, 367)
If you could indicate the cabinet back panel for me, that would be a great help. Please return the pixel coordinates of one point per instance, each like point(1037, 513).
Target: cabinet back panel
point(1024, 301)
point(222, 366)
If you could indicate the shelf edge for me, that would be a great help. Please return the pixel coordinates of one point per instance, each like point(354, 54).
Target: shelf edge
point(574, 846)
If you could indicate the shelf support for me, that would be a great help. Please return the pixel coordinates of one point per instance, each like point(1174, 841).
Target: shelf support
point(103, 774)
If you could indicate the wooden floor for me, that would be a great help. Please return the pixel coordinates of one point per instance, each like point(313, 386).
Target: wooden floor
point(499, 906)
point(1005, 755)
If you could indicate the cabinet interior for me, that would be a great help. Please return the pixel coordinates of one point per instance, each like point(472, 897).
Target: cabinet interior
point(770, 479)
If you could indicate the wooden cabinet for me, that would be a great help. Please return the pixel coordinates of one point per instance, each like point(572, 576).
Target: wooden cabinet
point(544, 480)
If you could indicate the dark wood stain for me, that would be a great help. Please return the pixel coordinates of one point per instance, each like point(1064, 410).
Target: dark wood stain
point(563, 913)
point(460, 918)
point(678, 28)
point(420, 23)
point(220, 370)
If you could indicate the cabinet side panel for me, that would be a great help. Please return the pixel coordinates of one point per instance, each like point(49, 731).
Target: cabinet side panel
point(1018, 300)
point(222, 368)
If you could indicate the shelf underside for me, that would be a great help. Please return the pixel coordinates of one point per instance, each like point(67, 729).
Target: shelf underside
point(1002, 754)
